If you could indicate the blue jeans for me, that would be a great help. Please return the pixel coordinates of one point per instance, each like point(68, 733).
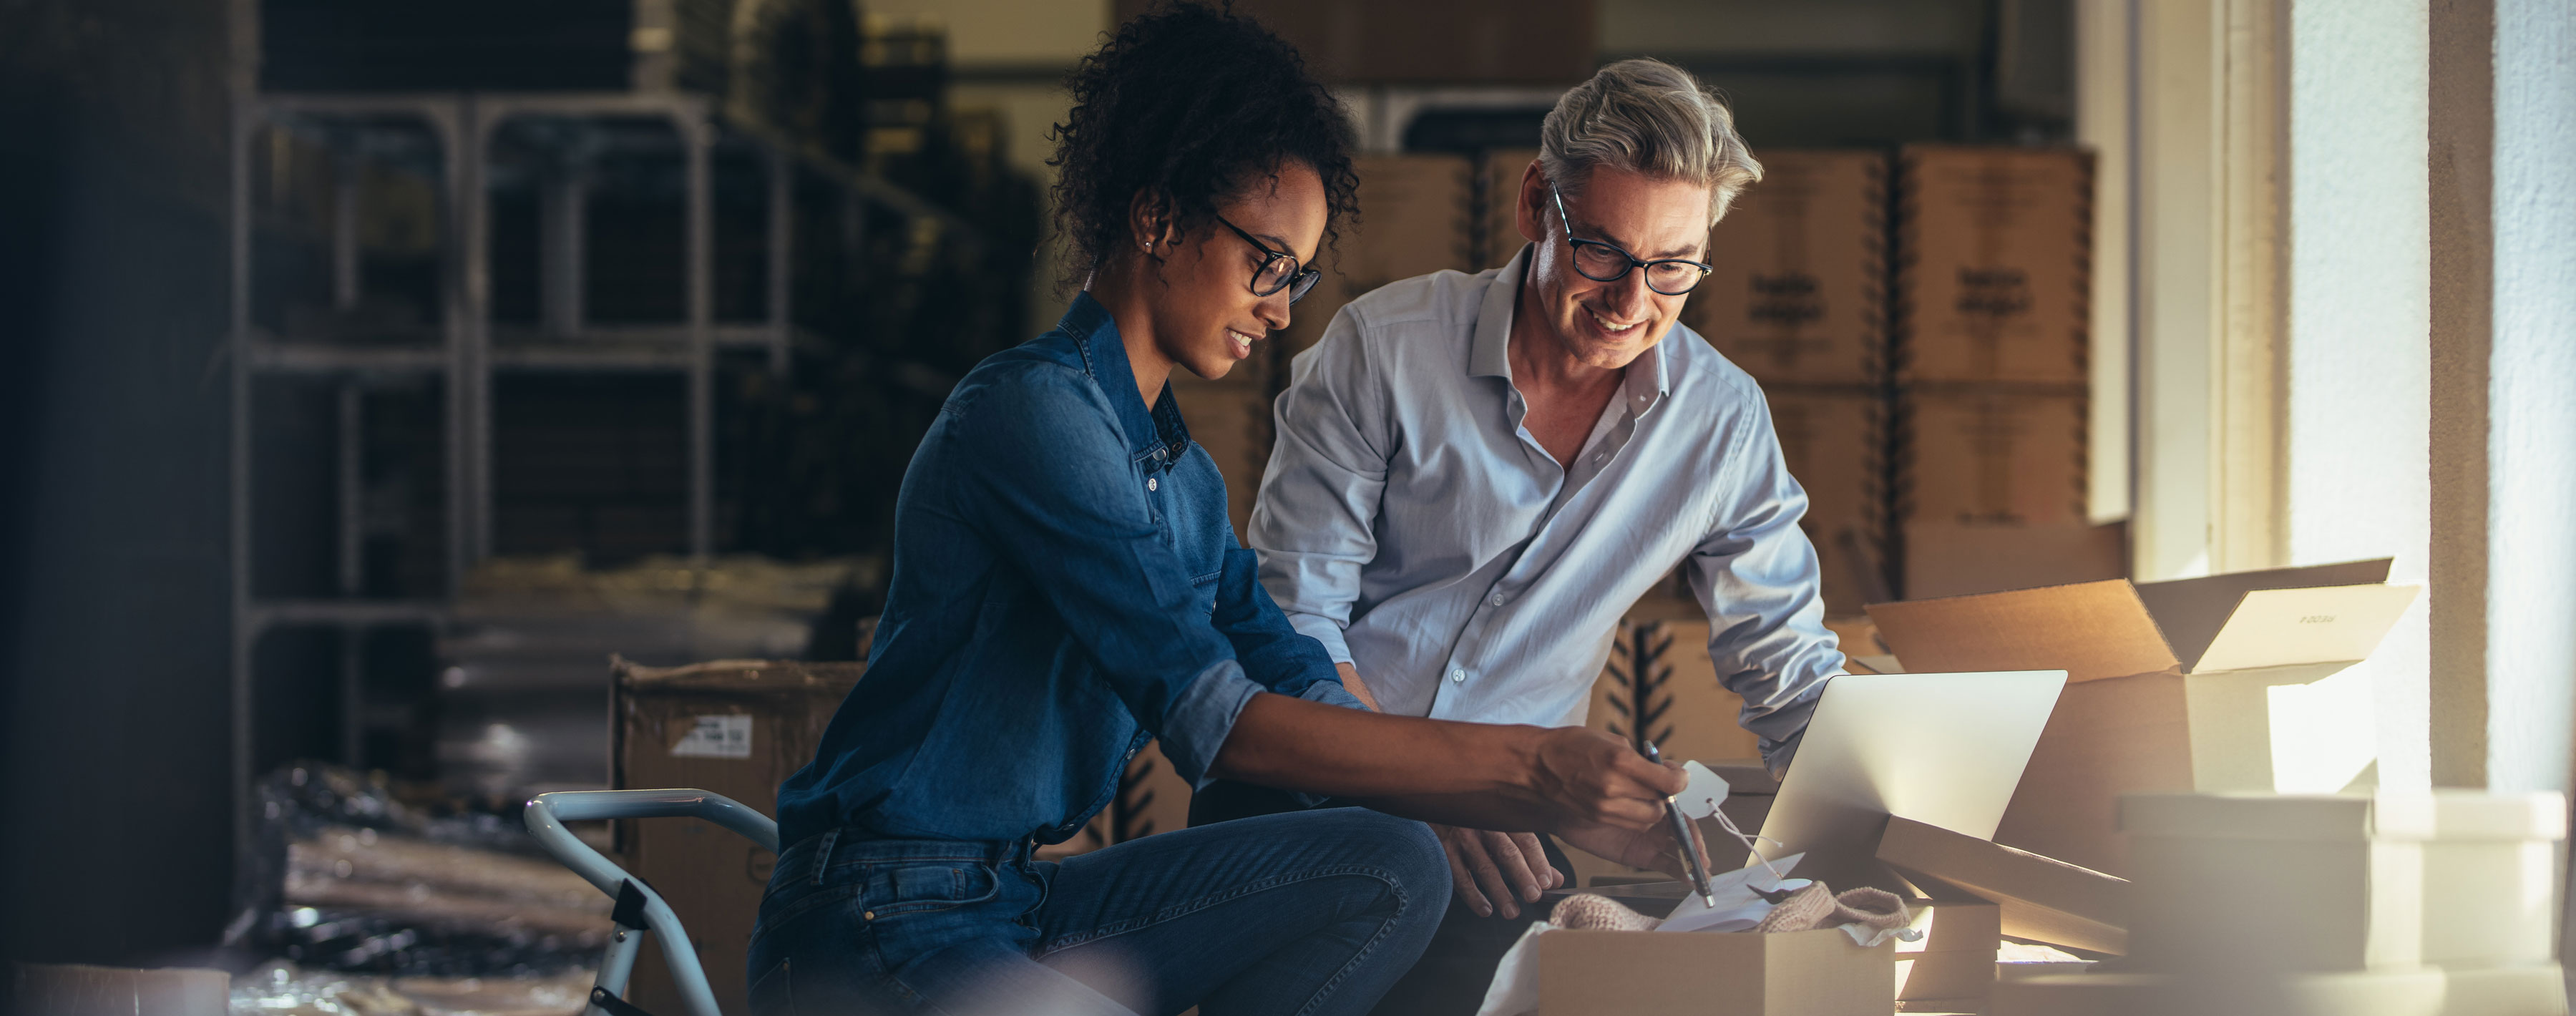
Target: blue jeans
point(1309, 913)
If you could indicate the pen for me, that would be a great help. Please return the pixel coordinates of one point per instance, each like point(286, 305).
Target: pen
point(1686, 837)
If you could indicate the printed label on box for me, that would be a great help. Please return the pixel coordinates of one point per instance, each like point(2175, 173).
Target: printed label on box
point(716, 737)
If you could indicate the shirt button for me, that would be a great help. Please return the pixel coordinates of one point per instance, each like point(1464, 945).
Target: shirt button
point(1131, 754)
point(1600, 456)
point(1498, 599)
point(1153, 483)
point(1457, 677)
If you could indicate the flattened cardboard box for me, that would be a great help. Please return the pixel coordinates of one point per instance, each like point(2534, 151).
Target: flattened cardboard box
point(1646, 973)
point(1834, 441)
point(1798, 287)
point(1417, 216)
point(1991, 456)
point(2231, 682)
point(2325, 883)
point(2036, 898)
point(737, 728)
point(1994, 264)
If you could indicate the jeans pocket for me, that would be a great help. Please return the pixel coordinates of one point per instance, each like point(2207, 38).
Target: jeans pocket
point(771, 995)
point(921, 888)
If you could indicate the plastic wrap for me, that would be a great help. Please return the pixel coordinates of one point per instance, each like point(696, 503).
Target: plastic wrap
point(283, 989)
point(350, 879)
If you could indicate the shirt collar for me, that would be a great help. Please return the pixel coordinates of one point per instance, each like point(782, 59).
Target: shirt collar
point(1489, 351)
point(1156, 433)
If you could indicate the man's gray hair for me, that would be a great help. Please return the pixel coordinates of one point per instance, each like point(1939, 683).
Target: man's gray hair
point(1651, 118)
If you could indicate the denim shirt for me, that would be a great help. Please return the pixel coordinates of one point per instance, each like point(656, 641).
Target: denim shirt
point(1066, 588)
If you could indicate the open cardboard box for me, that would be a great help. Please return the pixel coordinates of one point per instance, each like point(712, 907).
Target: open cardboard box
point(1713, 973)
point(2037, 898)
point(2231, 682)
point(1955, 958)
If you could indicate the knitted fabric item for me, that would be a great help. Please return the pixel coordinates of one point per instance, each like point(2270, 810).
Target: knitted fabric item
point(1594, 912)
point(1805, 910)
point(1875, 909)
point(1816, 906)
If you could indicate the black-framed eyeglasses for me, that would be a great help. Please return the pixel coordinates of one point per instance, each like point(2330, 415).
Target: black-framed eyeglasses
point(1607, 262)
point(1279, 271)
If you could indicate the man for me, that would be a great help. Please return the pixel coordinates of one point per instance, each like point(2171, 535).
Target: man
point(1475, 476)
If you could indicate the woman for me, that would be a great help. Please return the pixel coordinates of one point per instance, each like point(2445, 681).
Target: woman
point(1066, 587)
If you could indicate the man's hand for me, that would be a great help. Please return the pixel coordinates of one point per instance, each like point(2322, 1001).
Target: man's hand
point(1490, 870)
point(1352, 683)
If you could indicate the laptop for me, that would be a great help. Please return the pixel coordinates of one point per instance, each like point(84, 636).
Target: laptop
point(1943, 749)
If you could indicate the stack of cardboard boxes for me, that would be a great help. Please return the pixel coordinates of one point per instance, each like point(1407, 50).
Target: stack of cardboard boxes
point(1990, 307)
point(2236, 682)
point(2422, 904)
point(1798, 300)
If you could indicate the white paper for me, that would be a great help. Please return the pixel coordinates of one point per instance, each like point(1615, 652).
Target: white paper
point(1515, 988)
point(1735, 893)
point(716, 737)
point(1706, 791)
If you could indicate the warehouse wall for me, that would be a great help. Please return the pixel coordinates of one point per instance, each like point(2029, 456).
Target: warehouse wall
point(2531, 582)
point(2358, 357)
point(113, 622)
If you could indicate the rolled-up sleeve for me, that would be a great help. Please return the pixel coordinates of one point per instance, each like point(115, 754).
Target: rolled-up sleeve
point(1755, 575)
point(1052, 488)
point(1314, 523)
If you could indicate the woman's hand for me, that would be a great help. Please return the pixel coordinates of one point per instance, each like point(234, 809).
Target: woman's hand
point(1585, 777)
point(1637, 848)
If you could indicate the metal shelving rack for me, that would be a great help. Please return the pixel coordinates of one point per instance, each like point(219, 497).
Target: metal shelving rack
point(465, 357)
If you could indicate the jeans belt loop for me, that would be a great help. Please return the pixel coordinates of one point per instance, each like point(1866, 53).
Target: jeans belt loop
point(823, 854)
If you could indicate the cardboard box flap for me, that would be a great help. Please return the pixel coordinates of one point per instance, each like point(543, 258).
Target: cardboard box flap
point(2191, 611)
point(2092, 630)
point(2280, 627)
point(2042, 899)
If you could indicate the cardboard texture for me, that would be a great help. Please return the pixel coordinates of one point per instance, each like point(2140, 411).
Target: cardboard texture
point(1834, 440)
point(1498, 186)
point(2511, 991)
point(2337, 883)
point(1955, 959)
point(1417, 216)
point(2037, 898)
point(2136, 719)
point(1644, 973)
point(1984, 455)
point(1963, 559)
point(1798, 290)
point(72, 990)
point(737, 728)
point(1993, 276)
point(1233, 422)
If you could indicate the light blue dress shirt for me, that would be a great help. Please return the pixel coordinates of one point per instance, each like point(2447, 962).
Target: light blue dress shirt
point(1411, 524)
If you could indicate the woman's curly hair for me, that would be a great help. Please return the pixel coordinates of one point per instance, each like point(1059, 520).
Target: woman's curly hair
point(1191, 103)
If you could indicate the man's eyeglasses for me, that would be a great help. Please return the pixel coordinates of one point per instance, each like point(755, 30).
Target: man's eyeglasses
point(1279, 271)
point(1606, 262)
